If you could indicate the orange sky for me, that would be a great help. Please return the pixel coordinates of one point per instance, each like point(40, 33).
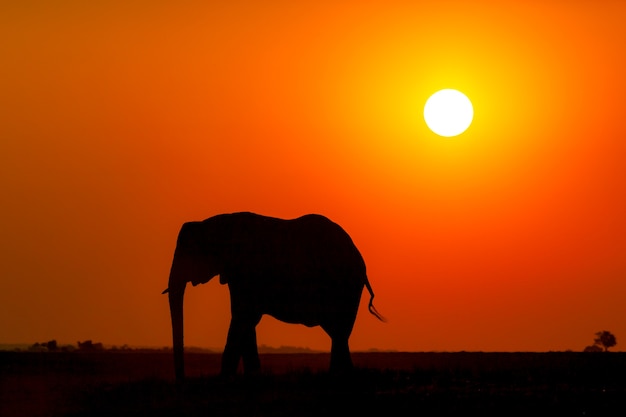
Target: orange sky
point(119, 121)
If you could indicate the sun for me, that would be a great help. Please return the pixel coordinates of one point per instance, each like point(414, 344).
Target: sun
point(448, 112)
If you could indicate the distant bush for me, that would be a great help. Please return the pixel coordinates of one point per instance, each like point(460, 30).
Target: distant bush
point(89, 346)
point(50, 346)
point(593, 348)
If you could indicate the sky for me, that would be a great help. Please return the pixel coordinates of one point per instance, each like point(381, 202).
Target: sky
point(121, 120)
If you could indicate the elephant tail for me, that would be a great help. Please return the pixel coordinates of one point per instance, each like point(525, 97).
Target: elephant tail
point(371, 307)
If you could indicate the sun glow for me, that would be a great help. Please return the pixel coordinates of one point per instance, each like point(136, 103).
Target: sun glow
point(448, 112)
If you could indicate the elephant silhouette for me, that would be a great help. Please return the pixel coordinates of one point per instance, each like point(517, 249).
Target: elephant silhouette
point(303, 271)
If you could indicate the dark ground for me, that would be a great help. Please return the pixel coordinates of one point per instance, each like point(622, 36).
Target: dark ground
point(383, 384)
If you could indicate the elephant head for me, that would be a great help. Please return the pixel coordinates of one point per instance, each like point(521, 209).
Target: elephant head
point(196, 260)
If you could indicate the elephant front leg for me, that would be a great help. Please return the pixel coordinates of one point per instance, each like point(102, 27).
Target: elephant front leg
point(232, 353)
point(241, 342)
point(250, 352)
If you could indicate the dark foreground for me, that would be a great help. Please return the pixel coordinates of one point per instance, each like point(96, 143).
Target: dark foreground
point(383, 384)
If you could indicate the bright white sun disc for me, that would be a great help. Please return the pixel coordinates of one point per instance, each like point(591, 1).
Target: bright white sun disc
point(448, 112)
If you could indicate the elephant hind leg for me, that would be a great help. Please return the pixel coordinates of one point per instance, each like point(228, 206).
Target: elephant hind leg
point(340, 359)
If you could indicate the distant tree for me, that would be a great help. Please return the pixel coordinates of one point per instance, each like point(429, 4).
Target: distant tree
point(52, 345)
point(605, 339)
point(593, 348)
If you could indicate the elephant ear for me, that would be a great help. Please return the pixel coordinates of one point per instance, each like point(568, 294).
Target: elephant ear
point(230, 263)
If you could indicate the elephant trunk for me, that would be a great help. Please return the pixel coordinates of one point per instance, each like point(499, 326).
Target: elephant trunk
point(176, 293)
point(176, 311)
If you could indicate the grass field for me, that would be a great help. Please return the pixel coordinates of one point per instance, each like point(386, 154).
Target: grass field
point(383, 384)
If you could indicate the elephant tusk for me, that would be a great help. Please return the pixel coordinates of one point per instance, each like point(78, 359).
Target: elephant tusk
point(172, 291)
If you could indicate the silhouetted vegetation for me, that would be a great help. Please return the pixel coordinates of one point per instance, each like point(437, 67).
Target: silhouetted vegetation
point(602, 342)
point(90, 346)
point(285, 349)
point(49, 346)
point(605, 340)
point(593, 348)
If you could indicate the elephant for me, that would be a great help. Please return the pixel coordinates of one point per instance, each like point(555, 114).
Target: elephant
point(305, 270)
